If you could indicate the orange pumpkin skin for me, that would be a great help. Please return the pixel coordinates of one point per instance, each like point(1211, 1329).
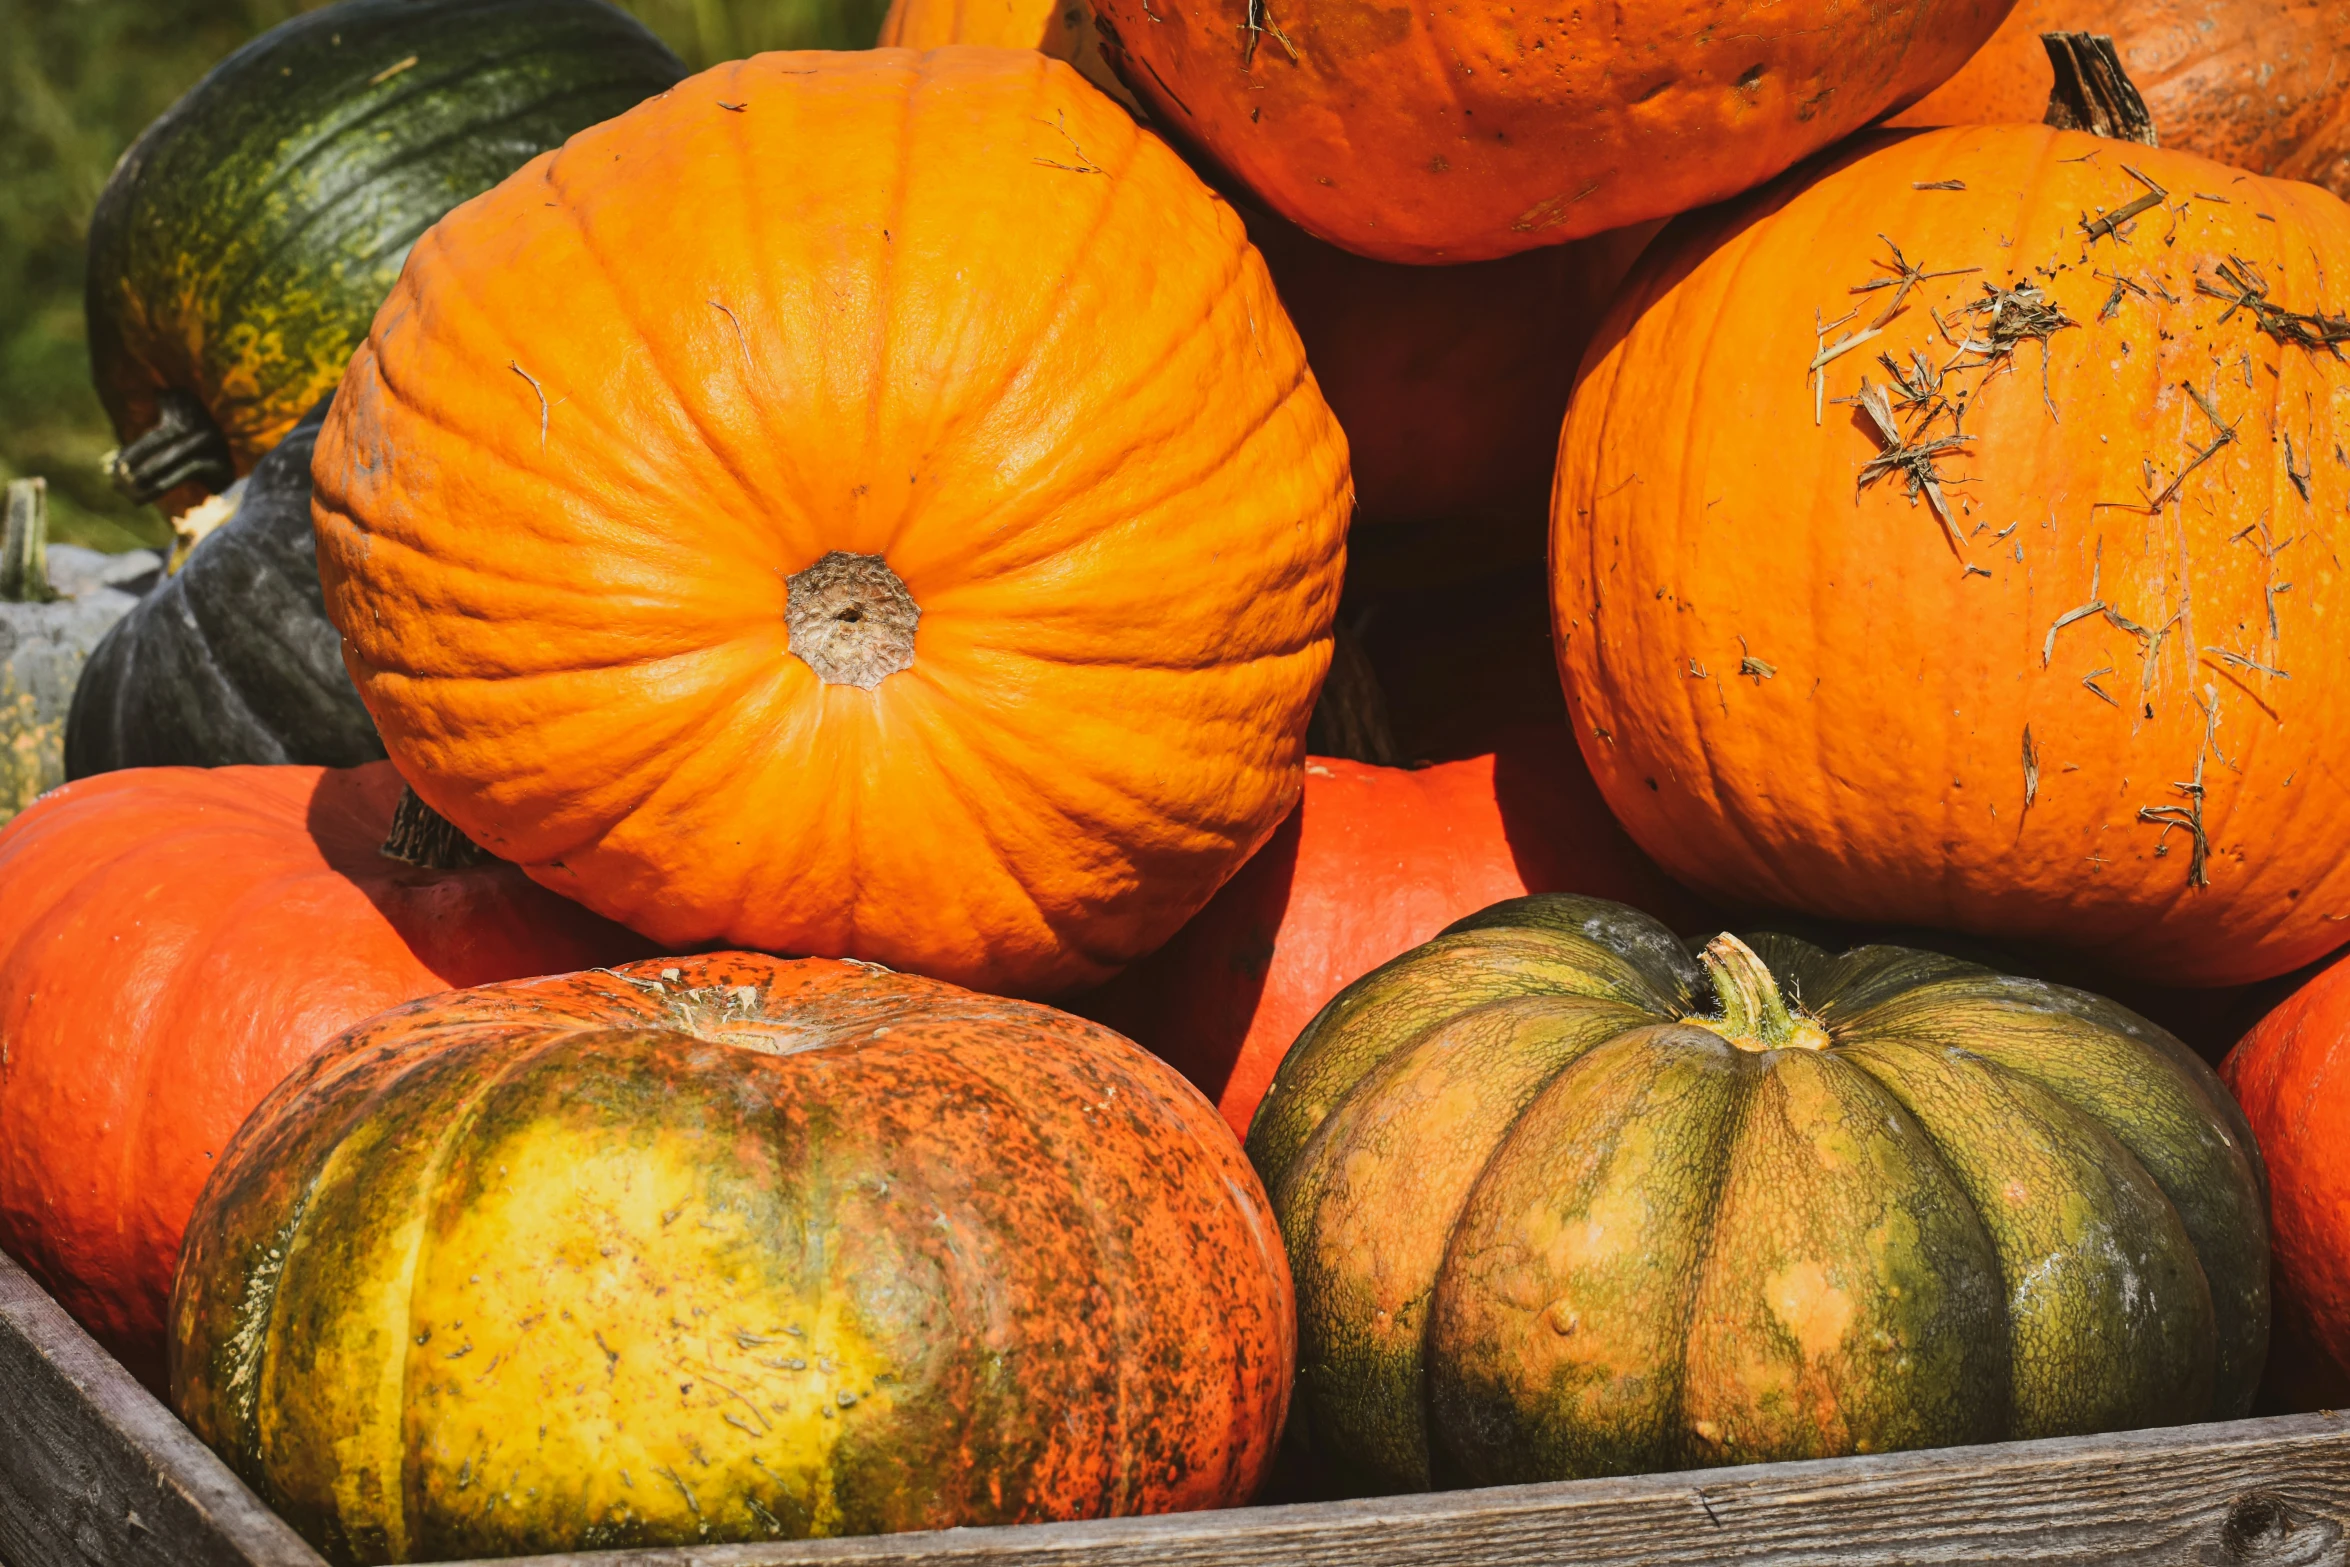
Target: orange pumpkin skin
point(1012, 349)
point(1061, 28)
point(2289, 1074)
point(1465, 133)
point(759, 1247)
point(1800, 697)
point(2255, 83)
point(173, 941)
point(1374, 861)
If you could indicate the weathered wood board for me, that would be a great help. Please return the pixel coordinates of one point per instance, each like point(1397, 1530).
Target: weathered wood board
point(94, 1473)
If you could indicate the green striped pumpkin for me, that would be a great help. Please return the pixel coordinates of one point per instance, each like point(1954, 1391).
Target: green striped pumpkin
point(1562, 1200)
point(242, 245)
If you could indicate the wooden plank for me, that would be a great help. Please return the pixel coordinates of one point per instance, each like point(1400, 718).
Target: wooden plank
point(2252, 1493)
point(95, 1473)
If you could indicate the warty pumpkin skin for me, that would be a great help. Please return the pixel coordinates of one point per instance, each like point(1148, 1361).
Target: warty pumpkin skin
point(173, 941)
point(2259, 84)
point(1468, 133)
point(1373, 862)
point(231, 659)
point(2287, 1072)
point(997, 420)
point(757, 1248)
point(2093, 709)
point(1560, 1202)
point(243, 243)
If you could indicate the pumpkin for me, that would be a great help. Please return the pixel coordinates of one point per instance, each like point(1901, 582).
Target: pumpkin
point(758, 1248)
point(1466, 134)
point(844, 556)
point(1562, 1201)
point(2000, 625)
point(1374, 861)
point(2282, 1072)
point(172, 942)
point(2253, 83)
point(1061, 28)
point(1450, 383)
point(243, 243)
point(231, 658)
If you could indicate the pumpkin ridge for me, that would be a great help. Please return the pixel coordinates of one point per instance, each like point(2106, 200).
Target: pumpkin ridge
point(1719, 1155)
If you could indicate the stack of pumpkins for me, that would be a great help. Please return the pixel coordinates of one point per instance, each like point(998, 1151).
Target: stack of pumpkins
point(889, 509)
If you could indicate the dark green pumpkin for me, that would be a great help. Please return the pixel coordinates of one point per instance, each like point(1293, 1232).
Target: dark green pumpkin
point(232, 658)
point(242, 245)
point(1561, 1201)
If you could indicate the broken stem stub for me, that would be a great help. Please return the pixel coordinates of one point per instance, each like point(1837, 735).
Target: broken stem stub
point(24, 544)
point(1350, 717)
point(423, 837)
point(1755, 1015)
point(851, 619)
point(2093, 93)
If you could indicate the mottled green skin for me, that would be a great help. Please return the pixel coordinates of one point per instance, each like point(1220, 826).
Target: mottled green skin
point(242, 245)
point(728, 1248)
point(1543, 1226)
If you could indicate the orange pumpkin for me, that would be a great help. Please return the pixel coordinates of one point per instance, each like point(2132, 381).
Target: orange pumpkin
point(1061, 28)
point(2021, 613)
point(173, 941)
point(2259, 84)
point(1374, 861)
point(870, 505)
point(1465, 133)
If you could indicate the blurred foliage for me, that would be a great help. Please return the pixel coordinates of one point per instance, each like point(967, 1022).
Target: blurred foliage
point(78, 80)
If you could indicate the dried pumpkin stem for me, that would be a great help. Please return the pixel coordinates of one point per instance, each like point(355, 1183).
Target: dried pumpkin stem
point(423, 837)
point(1755, 1015)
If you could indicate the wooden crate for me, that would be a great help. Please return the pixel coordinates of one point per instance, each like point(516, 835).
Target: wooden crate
point(95, 1473)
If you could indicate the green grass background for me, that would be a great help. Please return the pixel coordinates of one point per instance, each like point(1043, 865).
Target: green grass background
point(78, 80)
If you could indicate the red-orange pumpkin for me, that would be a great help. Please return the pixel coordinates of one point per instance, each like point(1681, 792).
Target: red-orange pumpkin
point(1461, 133)
point(2291, 1074)
point(730, 1247)
point(173, 941)
point(2261, 84)
point(1374, 861)
point(863, 504)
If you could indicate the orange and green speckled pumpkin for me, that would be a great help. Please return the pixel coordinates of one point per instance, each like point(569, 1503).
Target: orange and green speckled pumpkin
point(729, 1248)
point(1562, 1200)
point(924, 552)
point(245, 240)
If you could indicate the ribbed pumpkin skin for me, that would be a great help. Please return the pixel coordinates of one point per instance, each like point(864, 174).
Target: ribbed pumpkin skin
point(1373, 862)
point(729, 1247)
point(2261, 84)
point(1543, 1227)
point(1462, 134)
point(243, 244)
point(1870, 762)
point(1011, 346)
point(173, 941)
point(230, 660)
point(2288, 1075)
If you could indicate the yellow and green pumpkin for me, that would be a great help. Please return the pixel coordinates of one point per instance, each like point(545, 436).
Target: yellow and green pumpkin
point(1563, 1200)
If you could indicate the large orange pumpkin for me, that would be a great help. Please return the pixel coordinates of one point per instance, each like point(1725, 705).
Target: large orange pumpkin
point(1374, 861)
point(2291, 1073)
point(2261, 84)
point(173, 941)
point(1061, 28)
point(729, 1248)
point(862, 504)
point(1469, 132)
point(2022, 614)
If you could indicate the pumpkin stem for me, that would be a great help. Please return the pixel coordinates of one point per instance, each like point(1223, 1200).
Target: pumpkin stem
point(24, 544)
point(2093, 93)
point(1755, 1016)
point(851, 619)
point(423, 837)
point(184, 447)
